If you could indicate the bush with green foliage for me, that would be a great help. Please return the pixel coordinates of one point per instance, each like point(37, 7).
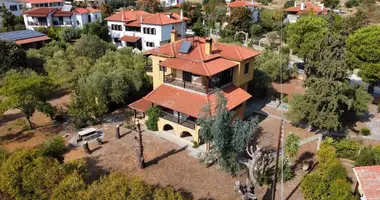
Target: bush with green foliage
point(69, 33)
point(351, 3)
point(153, 114)
point(270, 61)
point(365, 131)
point(262, 83)
point(12, 56)
point(289, 3)
point(54, 147)
point(26, 174)
point(329, 175)
point(96, 28)
point(347, 149)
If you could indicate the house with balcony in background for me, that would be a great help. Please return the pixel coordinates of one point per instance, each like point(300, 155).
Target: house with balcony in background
point(46, 17)
point(293, 13)
point(43, 3)
point(187, 75)
point(247, 4)
point(14, 6)
point(143, 30)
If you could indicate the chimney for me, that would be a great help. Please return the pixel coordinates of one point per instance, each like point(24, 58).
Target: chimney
point(295, 3)
point(208, 46)
point(253, 1)
point(173, 36)
point(302, 6)
point(141, 19)
point(322, 6)
point(181, 14)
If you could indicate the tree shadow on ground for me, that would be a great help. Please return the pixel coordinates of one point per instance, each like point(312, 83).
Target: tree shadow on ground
point(304, 157)
point(298, 185)
point(165, 155)
point(95, 171)
point(16, 137)
point(10, 117)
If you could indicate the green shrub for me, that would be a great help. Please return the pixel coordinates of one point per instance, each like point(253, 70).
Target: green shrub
point(366, 157)
point(54, 148)
point(365, 131)
point(347, 149)
point(351, 3)
point(153, 115)
point(288, 172)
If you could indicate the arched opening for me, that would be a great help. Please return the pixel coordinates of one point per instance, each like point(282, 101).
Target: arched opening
point(168, 127)
point(186, 135)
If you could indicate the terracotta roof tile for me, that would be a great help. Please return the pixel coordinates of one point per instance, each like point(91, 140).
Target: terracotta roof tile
point(141, 105)
point(309, 6)
point(163, 18)
point(128, 38)
point(191, 103)
point(369, 180)
point(240, 3)
point(129, 15)
point(197, 53)
point(60, 13)
point(208, 68)
point(31, 40)
point(85, 10)
point(40, 12)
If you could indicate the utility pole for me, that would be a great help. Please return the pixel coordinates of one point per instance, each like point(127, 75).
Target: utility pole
point(277, 161)
point(140, 149)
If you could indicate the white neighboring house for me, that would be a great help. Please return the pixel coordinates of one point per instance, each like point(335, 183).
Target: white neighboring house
point(43, 3)
point(14, 6)
point(248, 4)
point(144, 30)
point(45, 17)
point(293, 13)
point(170, 3)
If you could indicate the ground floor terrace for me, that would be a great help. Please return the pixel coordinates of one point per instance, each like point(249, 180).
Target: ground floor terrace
point(180, 108)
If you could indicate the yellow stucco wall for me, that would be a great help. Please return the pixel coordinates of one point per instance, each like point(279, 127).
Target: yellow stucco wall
point(157, 74)
point(240, 112)
point(178, 129)
point(239, 78)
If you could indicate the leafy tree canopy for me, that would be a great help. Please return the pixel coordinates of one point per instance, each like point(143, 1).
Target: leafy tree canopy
point(363, 53)
point(305, 35)
point(333, 4)
point(241, 19)
point(228, 137)
point(270, 19)
point(27, 91)
point(12, 56)
point(96, 28)
point(8, 20)
point(151, 6)
point(92, 46)
point(270, 62)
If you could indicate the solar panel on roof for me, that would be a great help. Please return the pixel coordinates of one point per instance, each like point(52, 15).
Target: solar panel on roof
point(67, 8)
point(20, 35)
point(185, 47)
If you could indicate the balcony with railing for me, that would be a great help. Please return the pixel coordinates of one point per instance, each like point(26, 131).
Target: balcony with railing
point(206, 85)
point(62, 23)
point(37, 23)
point(178, 119)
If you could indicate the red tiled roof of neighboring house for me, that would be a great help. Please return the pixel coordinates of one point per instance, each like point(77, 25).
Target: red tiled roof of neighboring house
point(128, 38)
point(241, 3)
point(163, 19)
point(129, 15)
point(60, 13)
point(42, 1)
point(31, 40)
point(141, 105)
point(85, 10)
point(309, 7)
point(369, 181)
point(40, 12)
point(197, 51)
point(191, 103)
point(208, 68)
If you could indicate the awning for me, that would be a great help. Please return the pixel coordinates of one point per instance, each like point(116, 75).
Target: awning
point(31, 40)
point(141, 105)
point(127, 38)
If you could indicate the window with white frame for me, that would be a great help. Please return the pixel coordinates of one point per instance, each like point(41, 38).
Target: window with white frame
point(116, 27)
point(149, 44)
point(150, 31)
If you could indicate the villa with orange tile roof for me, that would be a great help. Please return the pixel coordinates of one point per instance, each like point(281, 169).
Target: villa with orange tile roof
point(188, 73)
point(368, 184)
point(247, 4)
point(293, 13)
point(47, 16)
point(143, 30)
